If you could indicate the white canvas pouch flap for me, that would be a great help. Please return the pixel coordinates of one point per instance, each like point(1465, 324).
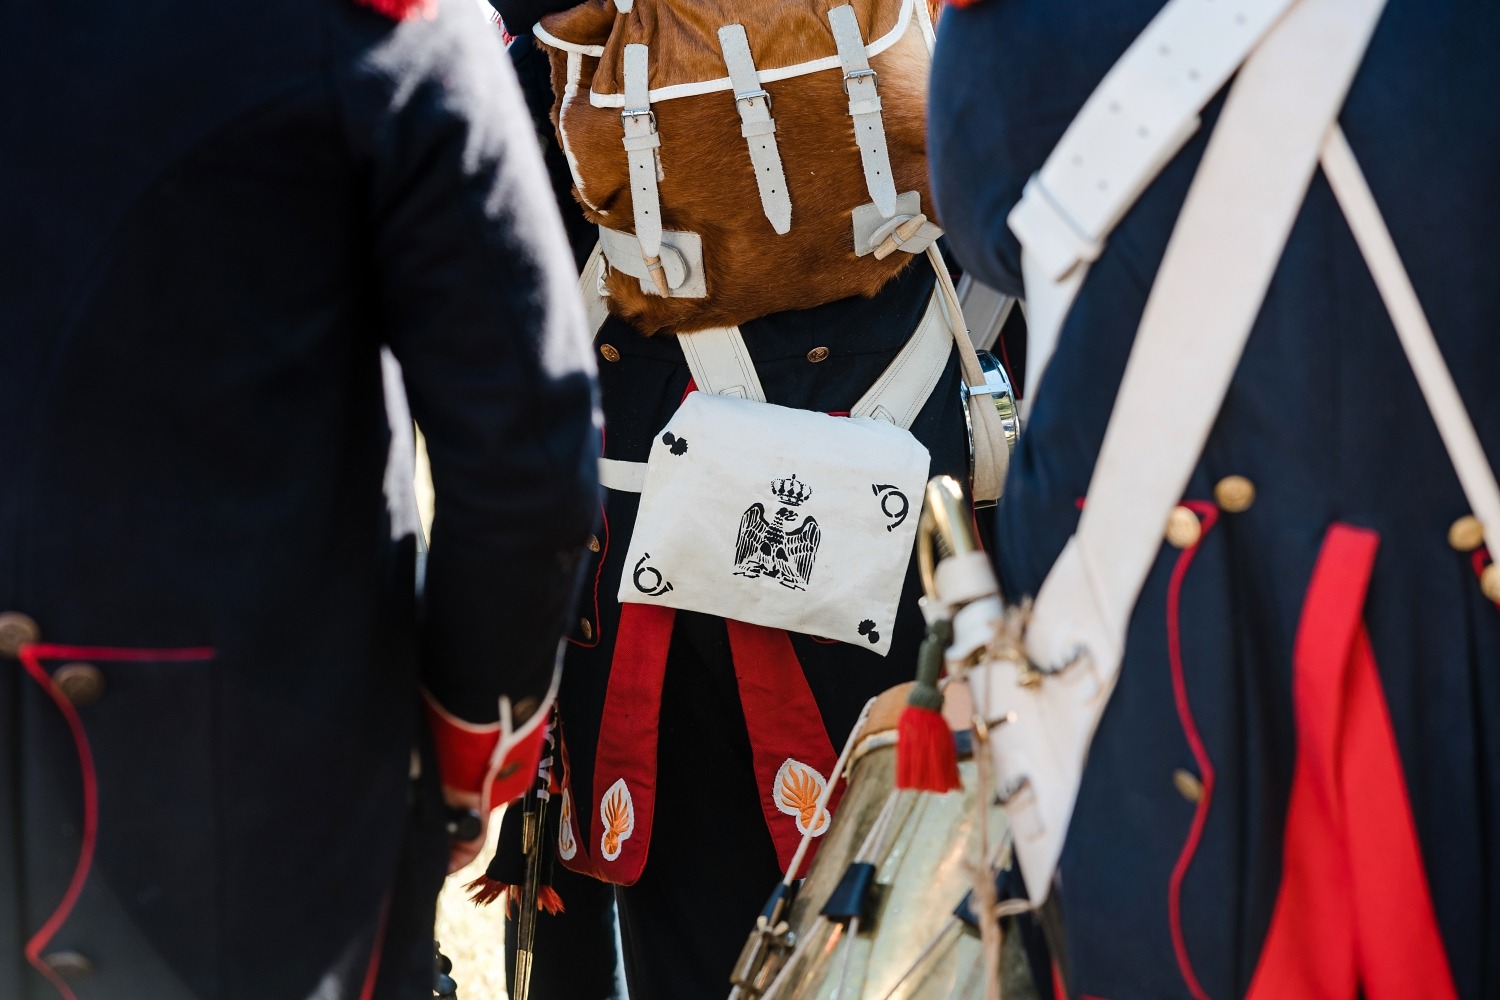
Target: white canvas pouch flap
point(778, 517)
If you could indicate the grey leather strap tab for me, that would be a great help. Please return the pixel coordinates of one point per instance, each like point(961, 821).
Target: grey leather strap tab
point(861, 85)
point(641, 143)
point(680, 255)
point(757, 126)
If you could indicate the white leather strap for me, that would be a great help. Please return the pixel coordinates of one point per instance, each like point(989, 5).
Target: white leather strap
point(757, 126)
point(720, 363)
point(641, 144)
point(624, 477)
point(1459, 437)
point(1137, 119)
point(591, 288)
point(861, 84)
point(901, 391)
point(1218, 264)
point(985, 311)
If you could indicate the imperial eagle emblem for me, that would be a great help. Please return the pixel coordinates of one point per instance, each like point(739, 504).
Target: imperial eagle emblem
point(779, 548)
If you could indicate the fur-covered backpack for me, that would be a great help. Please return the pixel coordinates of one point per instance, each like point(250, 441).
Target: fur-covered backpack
point(744, 158)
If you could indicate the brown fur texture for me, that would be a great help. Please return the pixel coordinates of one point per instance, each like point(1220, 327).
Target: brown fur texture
point(708, 183)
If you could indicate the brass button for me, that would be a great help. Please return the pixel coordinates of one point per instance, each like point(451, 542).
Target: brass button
point(610, 352)
point(594, 545)
point(17, 630)
point(1183, 529)
point(1466, 534)
point(817, 354)
point(82, 683)
point(1489, 582)
point(1188, 785)
point(69, 965)
point(587, 627)
point(1234, 494)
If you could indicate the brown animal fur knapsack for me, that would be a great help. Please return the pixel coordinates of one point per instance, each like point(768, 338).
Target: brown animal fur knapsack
point(744, 157)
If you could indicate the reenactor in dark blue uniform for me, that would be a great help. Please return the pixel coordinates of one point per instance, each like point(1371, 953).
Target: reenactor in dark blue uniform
point(712, 860)
point(227, 728)
point(1322, 539)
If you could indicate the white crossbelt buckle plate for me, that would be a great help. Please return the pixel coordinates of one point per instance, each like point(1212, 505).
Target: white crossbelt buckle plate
point(778, 517)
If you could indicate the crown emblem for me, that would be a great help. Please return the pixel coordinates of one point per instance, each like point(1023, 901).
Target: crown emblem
point(791, 492)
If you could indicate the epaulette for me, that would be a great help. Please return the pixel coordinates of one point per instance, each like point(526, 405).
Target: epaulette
point(399, 9)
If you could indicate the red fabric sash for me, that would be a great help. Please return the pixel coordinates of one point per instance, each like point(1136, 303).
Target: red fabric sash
point(785, 727)
point(1354, 915)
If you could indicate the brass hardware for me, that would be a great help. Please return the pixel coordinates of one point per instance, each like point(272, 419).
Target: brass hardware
point(1183, 528)
point(1234, 494)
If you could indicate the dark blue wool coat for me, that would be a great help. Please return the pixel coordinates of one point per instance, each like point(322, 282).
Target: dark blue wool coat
point(214, 216)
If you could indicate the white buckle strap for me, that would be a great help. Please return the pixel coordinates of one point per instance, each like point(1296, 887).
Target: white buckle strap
point(1137, 119)
point(861, 84)
point(901, 391)
point(757, 126)
point(641, 145)
point(720, 363)
point(623, 477)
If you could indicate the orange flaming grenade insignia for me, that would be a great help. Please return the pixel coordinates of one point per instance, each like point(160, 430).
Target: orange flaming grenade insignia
point(797, 790)
point(566, 845)
point(618, 813)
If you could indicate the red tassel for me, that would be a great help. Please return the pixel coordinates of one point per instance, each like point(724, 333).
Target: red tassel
point(926, 758)
point(548, 901)
point(484, 890)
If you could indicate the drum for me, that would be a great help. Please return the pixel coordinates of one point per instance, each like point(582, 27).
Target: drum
point(906, 861)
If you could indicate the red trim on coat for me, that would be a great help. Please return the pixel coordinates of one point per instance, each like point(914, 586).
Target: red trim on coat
point(466, 758)
point(31, 658)
point(1354, 914)
point(1481, 561)
point(372, 968)
point(1208, 514)
point(783, 722)
point(401, 9)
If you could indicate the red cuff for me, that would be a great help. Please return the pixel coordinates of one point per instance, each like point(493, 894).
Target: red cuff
point(487, 760)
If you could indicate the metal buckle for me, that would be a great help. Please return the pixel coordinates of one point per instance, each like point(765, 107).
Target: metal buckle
point(874, 78)
point(639, 113)
point(751, 95)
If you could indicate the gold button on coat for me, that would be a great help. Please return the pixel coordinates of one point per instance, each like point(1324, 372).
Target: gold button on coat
point(82, 683)
point(594, 545)
point(16, 630)
point(586, 627)
point(1183, 529)
point(817, 354)
point(610, 352)
point(69, 965)
point(1489, 582)
point(1466, 534)
point(1188, 785)
point(1234, 494)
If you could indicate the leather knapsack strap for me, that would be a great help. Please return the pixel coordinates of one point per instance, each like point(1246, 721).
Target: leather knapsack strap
point(757, 126)
point(862, 86)
point(1225, 247)
point(1143, 111)
point(641, 143)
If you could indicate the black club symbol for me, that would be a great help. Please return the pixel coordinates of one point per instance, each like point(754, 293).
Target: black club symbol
point(867, 629)
point(677, 444)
